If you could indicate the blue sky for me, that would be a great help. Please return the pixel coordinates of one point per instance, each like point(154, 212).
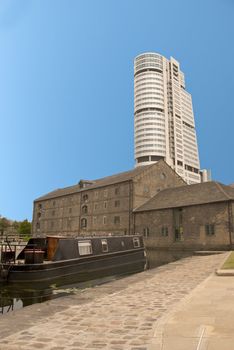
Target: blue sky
point(66, 87)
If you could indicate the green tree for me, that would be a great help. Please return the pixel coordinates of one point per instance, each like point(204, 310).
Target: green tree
point(4, 224)
point(15, 225)
point(24, 229)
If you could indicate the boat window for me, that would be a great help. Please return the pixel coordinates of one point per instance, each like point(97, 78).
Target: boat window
point(85, 247)
point(136, 242)
point(104, 245)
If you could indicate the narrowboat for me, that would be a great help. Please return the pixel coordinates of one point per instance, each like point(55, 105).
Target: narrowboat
point(61, 260)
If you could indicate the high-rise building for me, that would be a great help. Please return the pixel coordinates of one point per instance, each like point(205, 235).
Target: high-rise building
point(163, 116)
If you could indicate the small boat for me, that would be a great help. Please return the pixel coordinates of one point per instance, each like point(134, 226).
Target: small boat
point(61, 260)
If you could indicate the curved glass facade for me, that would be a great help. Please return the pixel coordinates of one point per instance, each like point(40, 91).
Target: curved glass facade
point(163, 116)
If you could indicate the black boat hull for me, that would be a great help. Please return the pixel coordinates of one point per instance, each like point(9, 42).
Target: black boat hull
point(77, 270)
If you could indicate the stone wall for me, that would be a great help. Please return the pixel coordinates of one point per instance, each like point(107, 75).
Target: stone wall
point(107, 209)
point(159, 226)
point(57, 216)
point(153, 180)
point(101, 210)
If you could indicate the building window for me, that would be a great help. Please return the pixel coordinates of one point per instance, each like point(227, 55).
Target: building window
point(85, 247)
point(104, 246)
point(54, 202)
point(53, 212)
point(84, 209)
point(85, 197)
point(117, 203)
point(96, 194)
point(146, 189)
point(105, 193)
point(94, 220)
point(95, 206)
point(69, 223)
point(39, 206)
point(52, 224)
point(210, 229)
point(104, 220)
point(105, 205)
point(163, 176)
point(179, 234)
point(83, 223)
point(70, 210)
point(146, 232)
point(136, 242)
point(116, 220)
point(38, 226)
point(117, 190)
point(39, 215)
point(164, 231)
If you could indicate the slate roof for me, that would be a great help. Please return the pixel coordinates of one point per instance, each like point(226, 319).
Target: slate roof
point(109, 180)
point(203, 193)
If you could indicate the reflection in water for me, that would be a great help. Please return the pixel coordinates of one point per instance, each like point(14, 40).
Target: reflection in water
point(12, 297)
point(10, 304)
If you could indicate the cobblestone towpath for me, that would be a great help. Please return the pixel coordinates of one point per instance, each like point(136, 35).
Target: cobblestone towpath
point(122, 314)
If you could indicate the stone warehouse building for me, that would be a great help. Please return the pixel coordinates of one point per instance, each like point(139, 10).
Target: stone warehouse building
point(194, 217)
point(101, 206)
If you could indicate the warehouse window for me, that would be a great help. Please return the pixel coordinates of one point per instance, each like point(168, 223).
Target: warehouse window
point(146, 232)
point(117, 190)
point(164, 231)
point(83, 223)
point(85, 209)
point(210, 229)
point(116, 219)
point(85, 197)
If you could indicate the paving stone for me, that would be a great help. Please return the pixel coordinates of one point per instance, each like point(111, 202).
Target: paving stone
point(126, 311)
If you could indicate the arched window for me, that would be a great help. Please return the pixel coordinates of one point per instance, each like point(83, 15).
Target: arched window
point(85, 209)
point(85, 197)
point(83, 223)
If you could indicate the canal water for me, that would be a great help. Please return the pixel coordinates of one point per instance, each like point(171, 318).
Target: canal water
point(14, 298)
